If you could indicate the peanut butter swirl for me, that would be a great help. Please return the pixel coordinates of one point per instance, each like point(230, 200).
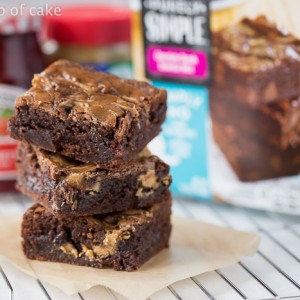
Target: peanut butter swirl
point(73, 92)
point(256, 44)
point(86, 176)
point(115, 227)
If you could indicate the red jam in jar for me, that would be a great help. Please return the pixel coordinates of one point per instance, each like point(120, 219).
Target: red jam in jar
point(20, 52)
point(20, 58)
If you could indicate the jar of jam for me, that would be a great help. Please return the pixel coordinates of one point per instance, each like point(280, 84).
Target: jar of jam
point(95, 35)
point(20, 58)
point(20, 52)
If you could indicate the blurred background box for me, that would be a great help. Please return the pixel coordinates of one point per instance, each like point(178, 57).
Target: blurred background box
point(279, 194)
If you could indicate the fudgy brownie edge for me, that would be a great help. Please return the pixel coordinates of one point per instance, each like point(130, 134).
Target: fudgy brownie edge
point(87, 115)
point(123, 241)
point(66, 186)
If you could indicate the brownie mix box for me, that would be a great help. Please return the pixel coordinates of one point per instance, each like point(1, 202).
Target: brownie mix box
point(179, 61)
point(233, 84)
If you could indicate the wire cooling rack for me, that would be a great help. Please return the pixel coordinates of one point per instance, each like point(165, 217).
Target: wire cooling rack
point(272, 273)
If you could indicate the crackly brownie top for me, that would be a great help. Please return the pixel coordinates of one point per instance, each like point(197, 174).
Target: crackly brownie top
point(256, 44)
point(73, 92)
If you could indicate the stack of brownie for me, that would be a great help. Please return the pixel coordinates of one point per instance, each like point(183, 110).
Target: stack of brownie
point(255, 99)
point(102, 199)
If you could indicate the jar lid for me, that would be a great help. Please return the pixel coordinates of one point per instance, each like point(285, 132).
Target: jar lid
point(89, 25)
point(18, 24)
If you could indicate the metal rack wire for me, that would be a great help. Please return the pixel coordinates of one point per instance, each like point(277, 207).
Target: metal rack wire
point(272, 273)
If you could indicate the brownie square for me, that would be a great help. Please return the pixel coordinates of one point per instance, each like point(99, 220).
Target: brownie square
point(123, 241)
point(66, 186)
point(256, 62)
point(88, 115)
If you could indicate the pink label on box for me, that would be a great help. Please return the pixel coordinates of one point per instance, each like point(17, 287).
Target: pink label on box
point(177, 62)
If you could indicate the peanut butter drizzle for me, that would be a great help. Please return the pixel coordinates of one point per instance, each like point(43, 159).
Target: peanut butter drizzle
point(72, 92)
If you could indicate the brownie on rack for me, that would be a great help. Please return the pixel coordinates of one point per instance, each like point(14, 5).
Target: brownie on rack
point(66, 186)
point(103, 199)
point(90, 116)
point(123, 241)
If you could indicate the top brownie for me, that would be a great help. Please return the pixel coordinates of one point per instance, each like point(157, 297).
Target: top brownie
point(257, 62)
point(88, 115)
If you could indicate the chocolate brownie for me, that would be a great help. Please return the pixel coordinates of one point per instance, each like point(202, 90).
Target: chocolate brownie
point(257, 62)
point(250, 158)
point(66, 186)
point(123, 241)
point(88, 115)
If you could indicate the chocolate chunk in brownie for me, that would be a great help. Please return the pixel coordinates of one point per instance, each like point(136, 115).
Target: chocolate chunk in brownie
point(123, 241)
point(256, 62)
point(66, 186)
point(88, 115)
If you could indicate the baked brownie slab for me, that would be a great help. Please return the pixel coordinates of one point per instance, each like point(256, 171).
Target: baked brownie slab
point(257, 62)
point(123, 241)
point(66, 186)
point(87, 115)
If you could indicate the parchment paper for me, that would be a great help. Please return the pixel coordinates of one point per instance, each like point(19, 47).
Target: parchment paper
point(195, 248)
